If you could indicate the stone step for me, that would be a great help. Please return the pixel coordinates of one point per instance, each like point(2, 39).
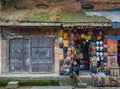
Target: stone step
point(82, 85)
point(13, 85)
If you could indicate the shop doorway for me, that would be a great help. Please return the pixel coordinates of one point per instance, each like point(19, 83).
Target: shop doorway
point(83, 47)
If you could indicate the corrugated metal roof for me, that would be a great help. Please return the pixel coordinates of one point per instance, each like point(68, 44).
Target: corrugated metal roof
point(113, 15)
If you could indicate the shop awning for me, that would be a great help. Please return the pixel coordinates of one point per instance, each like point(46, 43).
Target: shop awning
point(27, 18)
point(64, 24)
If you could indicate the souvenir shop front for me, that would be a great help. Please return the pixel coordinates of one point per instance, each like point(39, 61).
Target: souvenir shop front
point(93, 46)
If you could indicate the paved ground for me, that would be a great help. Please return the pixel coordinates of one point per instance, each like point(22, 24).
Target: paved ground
point(69, 87)
point(61, 87)
point(53, 87)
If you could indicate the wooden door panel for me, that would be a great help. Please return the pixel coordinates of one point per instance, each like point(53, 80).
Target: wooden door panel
point(42, 67)
point(19, 55)
point(42, 54)
point(42, 42)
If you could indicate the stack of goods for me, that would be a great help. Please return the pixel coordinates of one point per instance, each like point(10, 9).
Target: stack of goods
point(64, 52)
point(100, 79)
point(70, 43)
point(96, 55)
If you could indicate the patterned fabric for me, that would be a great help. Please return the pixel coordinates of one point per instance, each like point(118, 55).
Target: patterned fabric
point(100, 79)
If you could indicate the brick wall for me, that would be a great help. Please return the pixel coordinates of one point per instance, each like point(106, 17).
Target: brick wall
point(30, 32)
point(71, 5)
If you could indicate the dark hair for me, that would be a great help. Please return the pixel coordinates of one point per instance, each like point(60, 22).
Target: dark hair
point(77, 60)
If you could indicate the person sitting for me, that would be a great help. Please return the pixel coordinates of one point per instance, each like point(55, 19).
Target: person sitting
point(74, 71)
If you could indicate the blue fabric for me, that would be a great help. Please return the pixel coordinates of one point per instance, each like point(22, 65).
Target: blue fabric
point(116, 24)
point(113, 36)
point(72, 68)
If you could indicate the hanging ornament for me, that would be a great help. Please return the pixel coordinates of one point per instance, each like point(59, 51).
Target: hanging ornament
point(69, 31)
point(72, 56)
point(65, 35)
point(69, 42)
point(100, 33)
point(65, 42)
point(72, 43)
point(89, 37)
point(78, 37)
point(72, 36)
point(73, 49)
point(68, 53)
point(61, 32)
point(75, 38)
point(82, 36)
point(90, 32)
point(61, 56)
point(99, 37)
point(94, 49)
point(69, 49)
point(60, 40)
point(61, 45)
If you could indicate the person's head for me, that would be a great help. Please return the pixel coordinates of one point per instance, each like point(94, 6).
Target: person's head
point(75, 63)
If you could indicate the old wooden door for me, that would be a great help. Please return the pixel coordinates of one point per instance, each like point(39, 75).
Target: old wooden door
point(19, 55)
point(42, 54)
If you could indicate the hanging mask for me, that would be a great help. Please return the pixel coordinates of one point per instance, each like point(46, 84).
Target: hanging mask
point(99, 37)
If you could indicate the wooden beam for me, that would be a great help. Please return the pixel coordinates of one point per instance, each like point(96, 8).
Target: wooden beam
point(50, 24)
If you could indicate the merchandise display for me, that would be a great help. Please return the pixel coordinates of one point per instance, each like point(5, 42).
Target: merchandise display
point(92, 48)
point(100, 79)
